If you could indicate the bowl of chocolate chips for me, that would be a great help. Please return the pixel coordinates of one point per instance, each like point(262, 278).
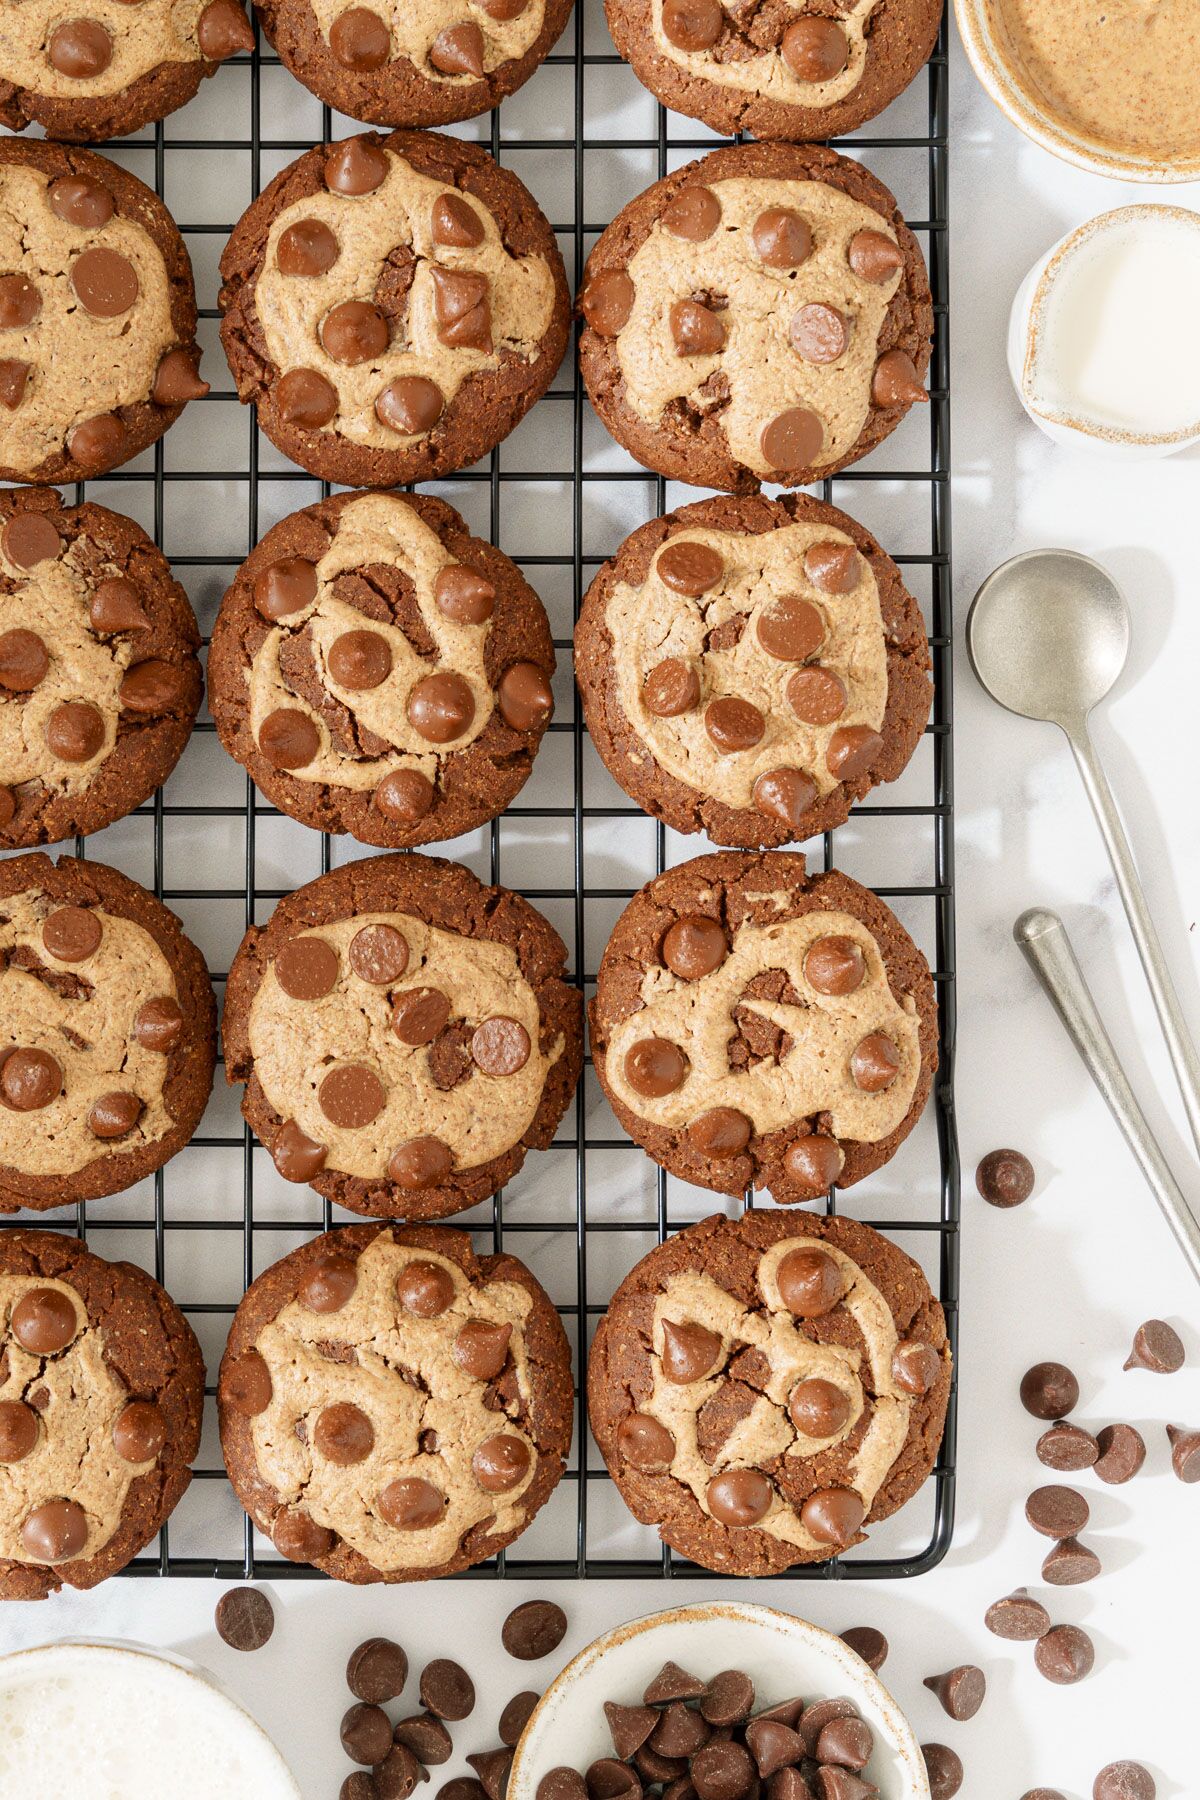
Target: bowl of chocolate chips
point(726, 1701)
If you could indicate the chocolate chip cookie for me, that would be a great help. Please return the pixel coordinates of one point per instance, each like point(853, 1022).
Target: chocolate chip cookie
point(97, 315)
point(99, 668)
point(391, 64)
point(761, 1388)
point(108, 1032)
point(779, 71)
point(760, 315)
point(405, 1035)
point(101, 75)
point(392, 1406)
point(380, 671)
point(756, 1026)
point(751, 667)
point(101, 1396)
point(395, 305)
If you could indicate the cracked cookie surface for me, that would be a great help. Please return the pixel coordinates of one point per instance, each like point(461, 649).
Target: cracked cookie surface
point(380, 671)
point(392, 1407)
point(750, 668)
point(755, 1026)
point(763, 1387)
point(101, 1393)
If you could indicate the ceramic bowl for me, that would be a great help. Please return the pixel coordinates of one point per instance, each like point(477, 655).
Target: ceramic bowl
point(1027, 112)
point(782, 1655)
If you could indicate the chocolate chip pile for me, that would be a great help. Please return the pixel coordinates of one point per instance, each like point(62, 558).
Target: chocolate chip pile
point(702, 1740)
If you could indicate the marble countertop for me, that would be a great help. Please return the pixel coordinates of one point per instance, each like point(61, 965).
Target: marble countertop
point(1067, 1276)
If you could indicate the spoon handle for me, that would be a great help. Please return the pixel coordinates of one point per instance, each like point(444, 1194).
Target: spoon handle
point(1043, 937)
point(1182, 1050)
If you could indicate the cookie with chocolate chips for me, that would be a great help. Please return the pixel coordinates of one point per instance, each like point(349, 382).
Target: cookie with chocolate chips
point(101, 1397)
point(761, 315)
point(392, 1406)
point(811, 71)
point(762, 1388)
point(100, 675)
point(85, 78)
point(749, 668)
point(98, 349)
point(757, 1026)
point(380, 671)
point(395, 305)
point(108, 1032)
point(391, 64)
point(405, 1034)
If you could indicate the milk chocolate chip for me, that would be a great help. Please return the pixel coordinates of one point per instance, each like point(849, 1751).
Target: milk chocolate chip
point(733, 724)
point(783, 238)
point(329, 1284)
point(915, 1366)
point(810, 1282)
point(307, 967)
point(305, 398)
point(607, 301)
point(359, 660)
point(1017, 1617)
point(152, 687)
point(694, 946)
point(55, 1531)
point(99, 442)
point(818, 1408)
point(74, 731)
point(960, 1690)
point(693, 214)
point(790, 629)
point(874, 1063)
point(419, 1015)
point(689, 1351)
point(672, 687)
point(24, 660)
point(288, 738)
point(835, 965)
point(246, 1384)
point(425, 1289)
point(354, 332)
point(481, 1348)
point(297, 1536)
point(739, 1497)
point(80, 48)
point(360, 39)
point(814, 1163)
point(463, 595)
point(655, 1066)
point(105, 282)
point(378, 954)
point(441, 707)
point(1158, 1347)
point(1185, 1453)
point(18, 1430)
point(692, 25)
point(784, 794)
point(874, 257)
point(343, 1435)
point(500, 1046)
point(114, 1115)
point(177, 379)
point(645, 1443)
point(297, 1156)
point(462, 308)
point(720, 1133)
point(223, 29)
point(695, 329)
point(411, 405)
point(351, 1095)
point(419, 1163)
point(1067, 1447)
point(1049, 1390)
point(454, 222)
point(819, 333)
point(895, 381)
point(1004, 1178)
point(29, 538)
point(115, 607)
point(832, 567)
point(29, 1080)
point(44, 1321)
point(833, 1515)
point(377, 1671)
point(689, 568)
point(852, 749)
point(524, 696)
point(140, 1432)
point(815, 49)
point(159, 1024)
point(458, 50)
point(501, 1463)
point(355, 167)
point(404, 796)
point(792, 440)
point(285, 587)
point(80, 200)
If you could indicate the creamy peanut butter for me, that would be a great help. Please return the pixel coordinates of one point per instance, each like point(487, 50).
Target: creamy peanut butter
point(767, 1431)
point(297, 1043)
point(766, 376)
point(89, 1034)
point(764, 72)
point(369, 227)
point(653, 622)
point(143, 37)
point(80, 364)
point(78, 1399)
point(814, 1075)
point(1123, 73)
point(403, 1375)
point(376, 528)
point(414, 24)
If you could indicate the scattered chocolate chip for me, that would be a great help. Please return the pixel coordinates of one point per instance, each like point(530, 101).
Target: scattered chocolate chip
point(960, 1690)
point(847, 1742)
point(244, 1618)
point(426, 1737)
point(533, 1630)
point(1049, 1390)
point(358, 1785)
point(1017, 1616)
point(1069, 1562)
point(366, 1733)
point(1121, 1451)
point(1067, 1447)
point(447, 1690)
point(1185, 1452)
point(1064, 1655)
point(1057, 1512)
point(1004, 1178)
point(492, 1767)
point(869, 1643)
point(516, 1715)
point(377, 1671)
point(1124, 1781)
point(1158, 1347)
point(944, 1769)
point(398, 1774)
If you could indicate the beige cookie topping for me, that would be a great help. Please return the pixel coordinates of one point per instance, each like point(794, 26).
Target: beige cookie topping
point(445, 40)
point(100, 47)
point(698, 1327)
point(71, 1441)
point(745, 304)
point(847, 1047)
point(378, 1421)
point(394, 1049)
point(84, 313)
point(376, 306)
point(817, 60)
point(416, 709)
point(745, 658)
point(88, 1012)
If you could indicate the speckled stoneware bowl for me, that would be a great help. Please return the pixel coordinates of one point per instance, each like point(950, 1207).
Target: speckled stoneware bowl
point(1037, 121)
point(781, 1654)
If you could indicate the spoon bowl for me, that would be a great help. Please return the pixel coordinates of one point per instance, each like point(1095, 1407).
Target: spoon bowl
point(1048, 634)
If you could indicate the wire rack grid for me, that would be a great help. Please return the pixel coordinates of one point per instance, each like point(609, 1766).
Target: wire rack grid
point(558, 497)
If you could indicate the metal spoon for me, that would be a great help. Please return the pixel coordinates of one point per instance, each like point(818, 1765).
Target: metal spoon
point(1048, 634)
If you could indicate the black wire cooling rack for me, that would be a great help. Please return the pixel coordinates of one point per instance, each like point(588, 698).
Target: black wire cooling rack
point(558, 498)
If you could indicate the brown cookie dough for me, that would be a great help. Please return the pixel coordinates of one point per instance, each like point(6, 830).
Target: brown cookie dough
point(392, 64)
point(762, 1387)
point(392, 1406)
point(380, 671)
point(405, 1035)
point(100, 675)
point(101, 1396)
point(395, 305)
point(755, 1026)
point(762, 315)
point(108, 1032)
point(751, 667)
point(97, 315)
point(110, 68)
point(781, 70)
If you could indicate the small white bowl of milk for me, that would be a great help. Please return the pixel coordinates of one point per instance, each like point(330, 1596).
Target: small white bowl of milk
point(1103, 337)
point(100, 1721)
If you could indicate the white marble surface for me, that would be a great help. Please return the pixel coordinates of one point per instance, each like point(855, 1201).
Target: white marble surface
point(1067, 1276)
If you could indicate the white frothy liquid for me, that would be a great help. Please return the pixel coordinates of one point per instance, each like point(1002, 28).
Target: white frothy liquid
point(110, 1724)
point(1118, 345)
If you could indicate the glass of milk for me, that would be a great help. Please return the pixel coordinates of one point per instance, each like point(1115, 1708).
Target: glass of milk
point(1103, 337)
point(116, 1722)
